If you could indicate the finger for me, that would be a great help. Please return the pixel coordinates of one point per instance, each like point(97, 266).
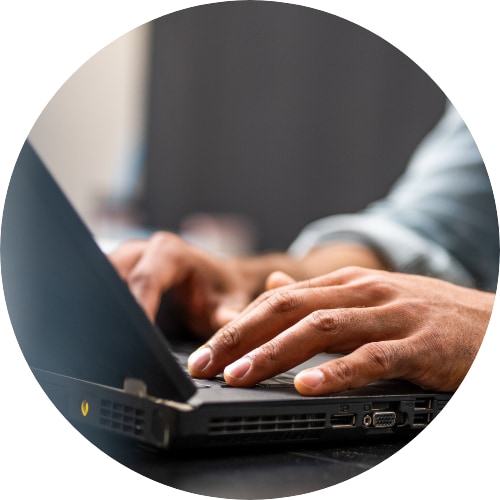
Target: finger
point(369, 363)
point(330, 330)
point(282, 309)
point(278, 279)
point(156, 271)
point(347, 276)
point(279, 354)
point(126, 256)
point(279, 309)
point(224, 314)
point(229, 308)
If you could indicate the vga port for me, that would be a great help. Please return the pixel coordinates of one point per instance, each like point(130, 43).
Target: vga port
point(381, 419)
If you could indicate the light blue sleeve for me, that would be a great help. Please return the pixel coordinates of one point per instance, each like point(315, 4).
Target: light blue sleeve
point(439, 219)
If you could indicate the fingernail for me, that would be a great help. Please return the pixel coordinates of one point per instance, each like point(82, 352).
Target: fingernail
point(200, 359)
point(310, 378)
point(239, 368)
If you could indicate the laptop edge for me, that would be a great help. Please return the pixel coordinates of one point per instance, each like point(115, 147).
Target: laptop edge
point(104, 365)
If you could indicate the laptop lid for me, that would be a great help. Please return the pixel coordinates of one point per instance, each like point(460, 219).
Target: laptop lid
point(71, 312)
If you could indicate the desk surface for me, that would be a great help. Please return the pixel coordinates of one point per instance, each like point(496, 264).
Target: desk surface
point(254, 474)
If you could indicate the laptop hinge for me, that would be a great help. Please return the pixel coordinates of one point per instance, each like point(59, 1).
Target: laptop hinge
point(136, 387)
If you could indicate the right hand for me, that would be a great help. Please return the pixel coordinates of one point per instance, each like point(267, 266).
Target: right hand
point(209, 291)
point(389, 325)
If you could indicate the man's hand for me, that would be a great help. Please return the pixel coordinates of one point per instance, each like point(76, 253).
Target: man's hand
point(394, 326)
point(209, 291)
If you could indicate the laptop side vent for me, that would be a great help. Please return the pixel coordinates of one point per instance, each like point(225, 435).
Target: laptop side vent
point(121, 418)
point(268, 427)
point(440, 404)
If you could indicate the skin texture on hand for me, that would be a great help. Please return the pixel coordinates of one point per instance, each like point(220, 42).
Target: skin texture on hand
point(389, 325)
point(392, 325)
point(210, 291)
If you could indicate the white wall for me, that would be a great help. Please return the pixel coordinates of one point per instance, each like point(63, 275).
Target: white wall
point(91, 132)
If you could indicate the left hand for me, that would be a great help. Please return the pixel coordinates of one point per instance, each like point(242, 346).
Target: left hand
point(394, 326)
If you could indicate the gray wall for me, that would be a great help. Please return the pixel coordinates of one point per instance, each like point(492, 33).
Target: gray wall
point(276, 112)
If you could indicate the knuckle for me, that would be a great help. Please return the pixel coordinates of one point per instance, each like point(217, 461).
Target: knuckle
point(142, 280)
point(343, 372)
point(379, 289)
point(271, 351)
point(375, 286)
point(229, 337)
point(349, 273)
point(328, 321)
point(368, 283)
point(283, 302)
point(381, 355)
point(354, 270)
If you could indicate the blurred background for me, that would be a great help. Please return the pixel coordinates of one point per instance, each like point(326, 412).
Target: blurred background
point(235, 124)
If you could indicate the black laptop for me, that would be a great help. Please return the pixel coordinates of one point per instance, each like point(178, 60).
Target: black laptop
point(105, 366)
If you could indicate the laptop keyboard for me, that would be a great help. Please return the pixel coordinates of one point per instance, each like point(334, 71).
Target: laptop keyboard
point(282, 380)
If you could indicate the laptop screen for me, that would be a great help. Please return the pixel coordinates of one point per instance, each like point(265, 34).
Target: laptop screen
point(71, 312)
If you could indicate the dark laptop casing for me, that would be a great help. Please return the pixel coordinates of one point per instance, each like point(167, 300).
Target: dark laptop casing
point(104, 365)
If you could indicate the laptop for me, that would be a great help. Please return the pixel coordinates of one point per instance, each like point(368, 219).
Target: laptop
point(108, 369)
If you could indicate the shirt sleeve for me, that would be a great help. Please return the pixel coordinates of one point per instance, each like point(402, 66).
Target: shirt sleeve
point(439, 219)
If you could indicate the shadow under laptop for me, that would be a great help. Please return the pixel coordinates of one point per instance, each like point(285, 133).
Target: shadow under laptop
point(258, 473)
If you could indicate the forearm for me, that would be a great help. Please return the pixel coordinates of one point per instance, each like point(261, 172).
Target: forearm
point(439, 219)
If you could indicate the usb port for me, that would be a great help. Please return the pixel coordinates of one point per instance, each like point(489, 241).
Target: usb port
point(422, 418)
point(423, 404)
point(343, 420)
